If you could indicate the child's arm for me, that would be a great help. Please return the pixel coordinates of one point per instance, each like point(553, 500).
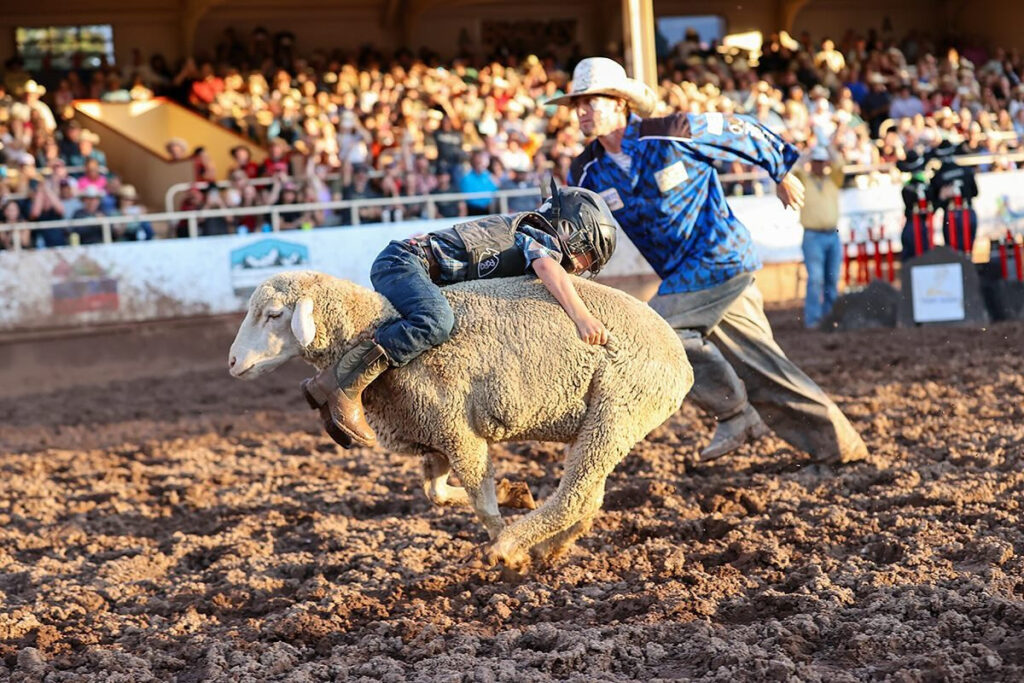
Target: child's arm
point(554, 277)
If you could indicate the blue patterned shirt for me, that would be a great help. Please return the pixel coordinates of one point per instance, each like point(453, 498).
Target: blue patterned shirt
point(670, 203)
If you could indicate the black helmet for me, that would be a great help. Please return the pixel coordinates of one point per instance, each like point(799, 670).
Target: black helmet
point(583, 225)
point(913, 162)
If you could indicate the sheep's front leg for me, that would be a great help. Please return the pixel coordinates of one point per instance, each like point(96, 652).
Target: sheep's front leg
point(476, 473)
point(513, 494)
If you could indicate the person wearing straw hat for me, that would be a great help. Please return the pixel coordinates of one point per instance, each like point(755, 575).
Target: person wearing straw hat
point(822, 248)
point(657, 177)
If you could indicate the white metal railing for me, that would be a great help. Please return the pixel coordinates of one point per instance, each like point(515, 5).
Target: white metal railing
point(193, 218)
point(177, 188)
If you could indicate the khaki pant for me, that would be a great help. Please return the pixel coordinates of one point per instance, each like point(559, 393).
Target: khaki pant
point(735, 361)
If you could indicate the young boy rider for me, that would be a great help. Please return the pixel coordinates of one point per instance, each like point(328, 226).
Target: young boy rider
point(572, 232)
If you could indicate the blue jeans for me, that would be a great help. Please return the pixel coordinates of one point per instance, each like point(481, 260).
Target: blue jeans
point(823, 256)
point(400, 274)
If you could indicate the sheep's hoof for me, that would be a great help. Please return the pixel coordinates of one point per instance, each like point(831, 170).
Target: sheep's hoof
point(516, 495)
point(482, 556)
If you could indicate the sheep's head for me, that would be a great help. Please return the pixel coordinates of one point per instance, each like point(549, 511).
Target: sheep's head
point(302, 313)
point(276, 328)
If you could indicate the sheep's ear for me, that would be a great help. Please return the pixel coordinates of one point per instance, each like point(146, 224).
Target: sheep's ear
point(303, 325)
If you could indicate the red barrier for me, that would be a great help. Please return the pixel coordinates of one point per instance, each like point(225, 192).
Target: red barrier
point(1018, 257)
point(965, 222)
point(890, 262)
point(847, 265)
point(876, 240)
point(862, 262)
point(1003, 265)
point(951, 228)
point(918, 237)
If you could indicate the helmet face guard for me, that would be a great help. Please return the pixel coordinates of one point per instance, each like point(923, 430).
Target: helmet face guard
point(583, 226)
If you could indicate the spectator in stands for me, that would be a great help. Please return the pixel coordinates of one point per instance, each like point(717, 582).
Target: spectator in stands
point(69, 144)
point(88, 234)
point(32, 102)
point(277, 162)
point(139, 229)
point(177, 149)
point(360, 188)
point(10, 212)
point(520, 178)
point(205, 88)
point(202, 166)
point(478, 179)
point(213, 225)
point(283, 193)
point(353, 139)
point(112, 194)
point(876, 103)
point(905, 104)
point(242, 157)
point(93, 177)
point(449, 140)
point(448, 208)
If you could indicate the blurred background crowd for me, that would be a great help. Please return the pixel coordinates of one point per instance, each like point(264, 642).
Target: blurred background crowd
point(372, 125)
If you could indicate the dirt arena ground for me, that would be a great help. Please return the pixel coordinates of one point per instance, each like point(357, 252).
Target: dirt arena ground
point(161, 521)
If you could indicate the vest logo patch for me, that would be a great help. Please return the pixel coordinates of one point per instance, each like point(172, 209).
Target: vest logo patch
point(488, 263)
point(670, 176)
point(612, 199)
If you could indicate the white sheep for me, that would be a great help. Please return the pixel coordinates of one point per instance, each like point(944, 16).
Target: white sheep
point(513, 370)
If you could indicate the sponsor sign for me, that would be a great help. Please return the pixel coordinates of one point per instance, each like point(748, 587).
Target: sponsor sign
point(254, 263)
point(938, 292)
point(82, 286)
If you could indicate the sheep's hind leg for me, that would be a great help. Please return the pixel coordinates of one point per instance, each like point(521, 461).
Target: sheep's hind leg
point(512, 494)
point(474, 469)
point(435, 482)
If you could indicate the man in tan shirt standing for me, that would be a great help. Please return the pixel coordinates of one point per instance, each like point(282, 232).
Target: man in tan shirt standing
point(823, 251)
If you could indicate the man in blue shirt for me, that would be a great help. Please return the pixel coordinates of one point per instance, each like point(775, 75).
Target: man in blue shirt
point(478, 179)
point(657, 177)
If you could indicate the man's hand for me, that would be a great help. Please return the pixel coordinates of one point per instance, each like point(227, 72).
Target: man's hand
point(591, 330)
point(790, 192)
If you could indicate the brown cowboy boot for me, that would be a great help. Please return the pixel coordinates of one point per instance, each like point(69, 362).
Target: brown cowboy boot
point(337, 392)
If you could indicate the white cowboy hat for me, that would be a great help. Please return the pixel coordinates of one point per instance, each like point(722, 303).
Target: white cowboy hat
point(603, 76)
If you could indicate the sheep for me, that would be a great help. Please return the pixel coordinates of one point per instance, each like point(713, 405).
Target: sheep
point(513, 370)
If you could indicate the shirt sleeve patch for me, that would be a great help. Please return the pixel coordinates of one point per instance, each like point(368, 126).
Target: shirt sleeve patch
point(715, 123)
point(670, 176)
point(612, 198)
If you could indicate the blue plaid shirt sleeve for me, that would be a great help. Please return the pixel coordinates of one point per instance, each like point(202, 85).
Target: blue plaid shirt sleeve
point(741, 138)
point(536, 244)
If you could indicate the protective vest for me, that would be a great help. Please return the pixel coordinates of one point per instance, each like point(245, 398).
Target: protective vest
point(490, 242)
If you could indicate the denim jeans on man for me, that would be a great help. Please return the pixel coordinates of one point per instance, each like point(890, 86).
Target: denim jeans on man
point(823, 256)
point(401, 274)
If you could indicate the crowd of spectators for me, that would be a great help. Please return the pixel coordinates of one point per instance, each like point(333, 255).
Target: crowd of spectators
point(366, 125)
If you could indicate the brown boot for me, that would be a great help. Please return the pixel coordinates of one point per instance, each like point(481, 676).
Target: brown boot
point(337, 392)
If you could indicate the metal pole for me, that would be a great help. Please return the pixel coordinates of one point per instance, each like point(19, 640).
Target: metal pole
point(193, 227)
point(107, 232)
point(638, 40)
